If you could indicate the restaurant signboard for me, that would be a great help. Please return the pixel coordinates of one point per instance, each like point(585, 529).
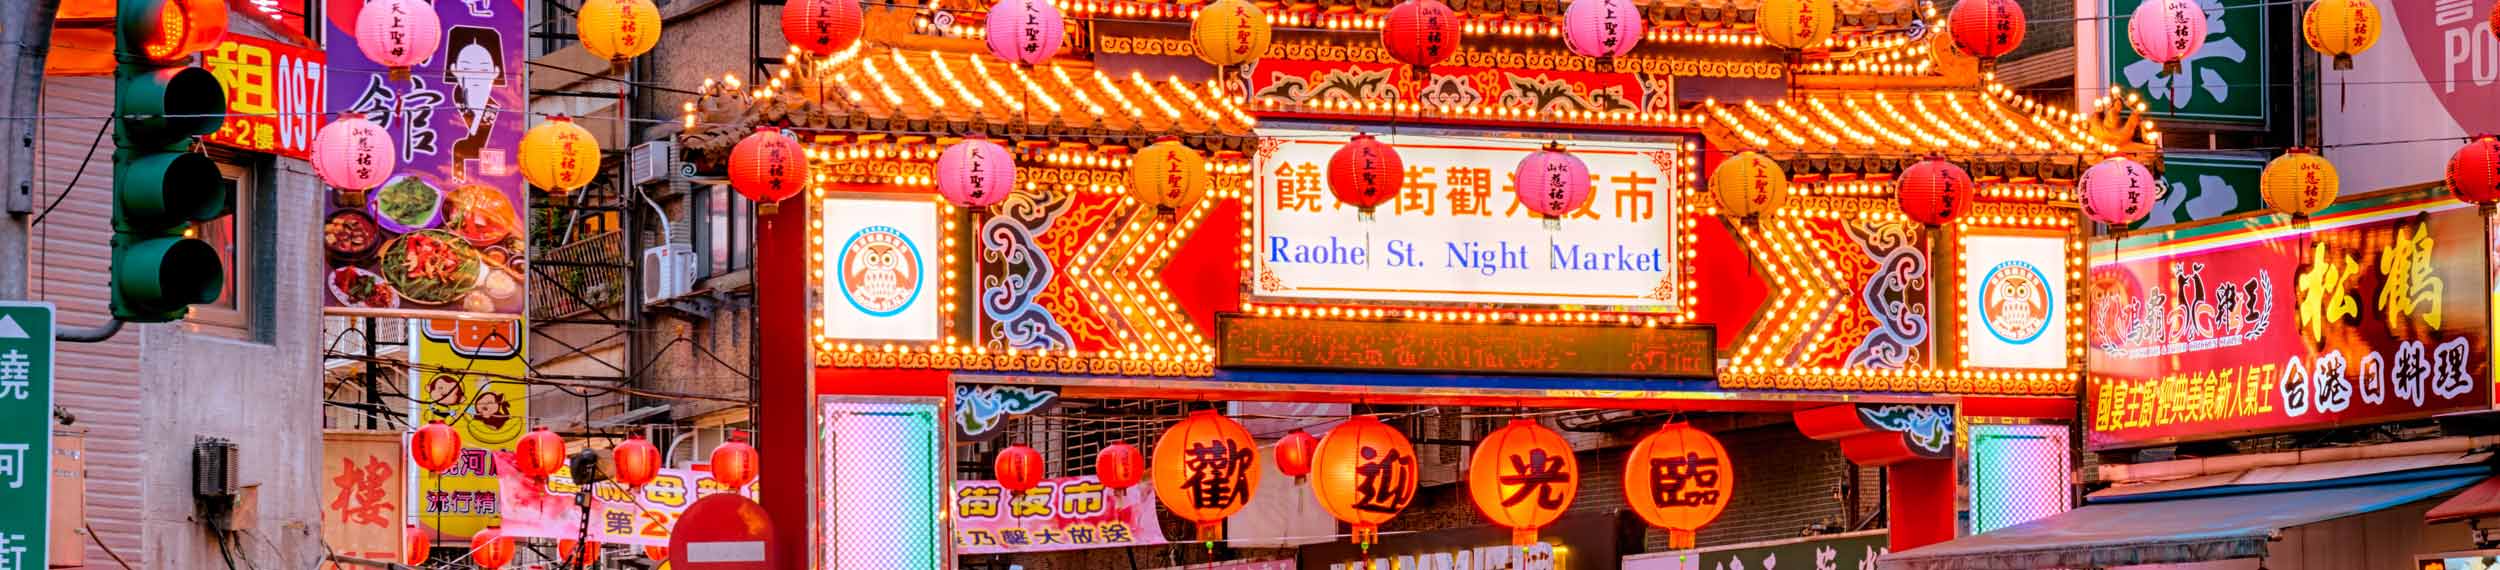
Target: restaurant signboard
point(2377, 313)
point(1060, 513)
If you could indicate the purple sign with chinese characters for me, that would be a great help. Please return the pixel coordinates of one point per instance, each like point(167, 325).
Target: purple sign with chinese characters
point(445, 235)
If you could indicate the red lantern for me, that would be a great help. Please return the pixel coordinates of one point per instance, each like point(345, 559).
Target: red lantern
point(637, 462)
point(539, 453)
point(1421, 33)
point(821, 27)
point(2474, 171)
point(768, 167)
point(1366, 475)
point(1206, 468)
point(1678, 479)
point(1523, 477)
point(733, 463)
point(420, 545)
point(1366, 173)
point(1019, 467)
point(434, 447)
point(569, 550)
point(1934, 191)
point(1987, 29)
point(490, 549)
point(1119, 466)
point(1293, 454)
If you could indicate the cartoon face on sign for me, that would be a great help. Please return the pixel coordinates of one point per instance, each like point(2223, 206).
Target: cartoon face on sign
point(2014, 302)
point(880, 271)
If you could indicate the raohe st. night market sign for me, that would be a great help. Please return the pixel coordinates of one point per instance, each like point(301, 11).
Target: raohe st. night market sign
point(1457, 233)
point(2377, 315)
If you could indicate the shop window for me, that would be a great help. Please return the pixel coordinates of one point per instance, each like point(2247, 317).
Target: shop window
point(724, 232)
point(245, 241)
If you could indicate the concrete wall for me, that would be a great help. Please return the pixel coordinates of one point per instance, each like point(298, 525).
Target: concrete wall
point(146, 395)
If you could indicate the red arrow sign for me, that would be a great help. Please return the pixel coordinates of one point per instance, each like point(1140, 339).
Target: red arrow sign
point(722, 532)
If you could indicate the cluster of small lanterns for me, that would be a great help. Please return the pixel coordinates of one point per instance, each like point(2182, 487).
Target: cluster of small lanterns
point(1364, 472)
point(435, 447)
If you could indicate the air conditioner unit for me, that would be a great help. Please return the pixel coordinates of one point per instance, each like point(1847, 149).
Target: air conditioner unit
point(654, 161)
point(667, 272)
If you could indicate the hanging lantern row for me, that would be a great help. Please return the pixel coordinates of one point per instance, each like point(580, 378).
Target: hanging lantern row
point(1017, 468)
point(1119, 466)
point(539, 453)
point(1205, 468)
point(2341, 29)
point(1523, 477)
point(1365, 475)
point(637, 462)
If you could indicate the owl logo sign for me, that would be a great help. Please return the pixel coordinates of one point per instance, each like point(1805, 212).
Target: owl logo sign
point(2015, 302)
point(879, 271)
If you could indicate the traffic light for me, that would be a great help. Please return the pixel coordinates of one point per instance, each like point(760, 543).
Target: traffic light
point(161, 187)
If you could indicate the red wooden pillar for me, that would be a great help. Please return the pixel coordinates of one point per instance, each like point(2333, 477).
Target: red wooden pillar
point(1919, 497)
point(787, 370)
point(1915, 443)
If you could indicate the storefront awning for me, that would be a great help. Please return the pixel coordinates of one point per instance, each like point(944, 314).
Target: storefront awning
point(2196, 525)
point(2477, 502)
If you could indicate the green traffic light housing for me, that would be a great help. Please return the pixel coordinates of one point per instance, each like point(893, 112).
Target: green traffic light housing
point(160, 107)
point(158, 279)
point(161, 187)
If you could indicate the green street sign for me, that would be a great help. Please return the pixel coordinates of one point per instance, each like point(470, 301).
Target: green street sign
point(2224, 82)
point(25, 434)
point(2205, 186)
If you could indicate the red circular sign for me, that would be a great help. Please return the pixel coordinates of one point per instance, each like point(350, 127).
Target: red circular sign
point(722, 532)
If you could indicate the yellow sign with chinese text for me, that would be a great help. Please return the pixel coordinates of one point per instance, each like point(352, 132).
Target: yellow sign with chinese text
point(466, 374)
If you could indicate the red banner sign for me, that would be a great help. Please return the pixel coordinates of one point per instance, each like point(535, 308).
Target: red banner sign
point(273, 94)
point(2376, 316)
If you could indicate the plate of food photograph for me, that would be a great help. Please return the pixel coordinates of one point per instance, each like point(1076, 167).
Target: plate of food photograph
point(431, 267)
point(407, 203)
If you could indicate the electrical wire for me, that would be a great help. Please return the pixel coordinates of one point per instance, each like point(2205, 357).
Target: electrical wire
point(108, 549)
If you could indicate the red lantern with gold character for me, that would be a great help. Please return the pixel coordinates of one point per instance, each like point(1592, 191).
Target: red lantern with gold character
point(1119, 466)
point(1678, 479)
point(1987, 29)
point(1293, 454)
point(637, 462)
point(1364, 475)
point(1205, 469)
point(733, 463)
point(1934, 191)
point(490, 549)
point(539, 453)
point(2474, 171)
point(767, 166)
point(1018, 467)
point(434, 447)
point(1366, 173)
point(1523, 477)
point(419, 543)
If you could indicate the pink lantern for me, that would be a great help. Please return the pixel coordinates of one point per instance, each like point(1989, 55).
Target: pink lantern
point(398, 34)
point(352, 153)
point(1553, 183)
point(1602, 28)
point(976, 173)
point(2119, 192)
point(2167, 31)
point(1025, 31)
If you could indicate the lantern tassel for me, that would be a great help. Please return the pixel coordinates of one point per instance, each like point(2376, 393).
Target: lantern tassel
point(2343, 61)
point(2169, 68)
point(1522, 537)
point(1365, 535)
point(1679, 539)
point(1211, 531)
point(1553, 224)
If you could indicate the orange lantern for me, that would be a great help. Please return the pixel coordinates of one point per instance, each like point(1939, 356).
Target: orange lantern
point(539, 453)
point(1019, 467)
point(1119, 466)
point(1678, 479)
point(1293, 454)
point(1523, 477)
point(637, 462)
point(1205, 469)
point(434, 447)
point(420, 544)
point(1365, 474)
point(490, 549)
point(569, 550)
point(733, 463)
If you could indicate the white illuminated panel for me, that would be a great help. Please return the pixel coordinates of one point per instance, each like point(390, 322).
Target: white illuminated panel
point(881, 476)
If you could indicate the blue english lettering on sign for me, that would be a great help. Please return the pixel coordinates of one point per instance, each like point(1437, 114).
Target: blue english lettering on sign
point(1598, 259)
point(1487, 260)
point(1282, 250)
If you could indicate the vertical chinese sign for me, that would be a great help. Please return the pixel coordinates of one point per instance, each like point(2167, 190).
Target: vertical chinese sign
point(2378, 314)
point(26, 358)
point(1063, 513)
point(364, 497)
point(464, 375)
point(274, 94)
point(444, 236)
